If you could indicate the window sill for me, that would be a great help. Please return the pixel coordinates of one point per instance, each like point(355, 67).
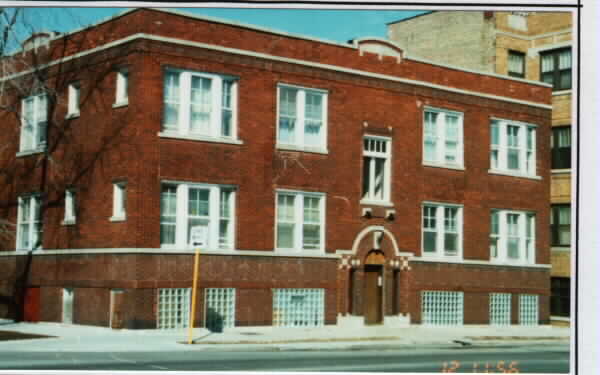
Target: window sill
point(446, 166)
point(313, 150)
point(561, 249)
point(189, 248)
point(68, 222)
point(72, 115)
point(513, 174)
point(201, 138)
point(31, 152)
point(561, 92)
point(561, 171)
point(123, 103)
point(441, 258)
point(509, 263)
point(116, 219)
point(297, 252)
point(367, 202)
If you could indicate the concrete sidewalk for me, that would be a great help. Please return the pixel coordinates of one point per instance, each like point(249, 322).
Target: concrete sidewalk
point(94, 339)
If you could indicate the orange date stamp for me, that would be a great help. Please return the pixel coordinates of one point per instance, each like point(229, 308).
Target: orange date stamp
point(500, 367)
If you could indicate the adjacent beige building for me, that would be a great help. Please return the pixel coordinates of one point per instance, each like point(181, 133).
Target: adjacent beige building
point(530, 45)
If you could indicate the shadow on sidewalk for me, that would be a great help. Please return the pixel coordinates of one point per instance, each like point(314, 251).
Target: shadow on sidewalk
point(10, 335)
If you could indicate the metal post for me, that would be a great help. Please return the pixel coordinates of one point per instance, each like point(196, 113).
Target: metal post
point(194, 290)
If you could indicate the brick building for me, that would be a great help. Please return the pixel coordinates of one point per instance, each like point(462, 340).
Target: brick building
point(531, 45)
point(338, 183)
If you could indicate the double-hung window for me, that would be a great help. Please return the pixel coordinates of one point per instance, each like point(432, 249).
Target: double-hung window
point(516, 64)
point(200, 105)
point(300, 223)
point(556, 68)
point(561, 147)
point(443, 138)
point(34, 117)
point(29, 223)
point(186, 205)
point(560, 222)
point(442, 230)
point(376, 169)
point(513, 148)
point(302, 118)
point(512, 237)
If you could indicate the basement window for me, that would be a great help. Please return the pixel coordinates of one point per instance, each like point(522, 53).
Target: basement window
point(220, 308)
point(500, 309)
point(441, 308)
point(298, 307)
point(173, 308)
point(528, 310)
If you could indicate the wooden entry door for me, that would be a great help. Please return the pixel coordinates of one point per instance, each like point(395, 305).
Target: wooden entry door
point(32, 305)
point(373, 294)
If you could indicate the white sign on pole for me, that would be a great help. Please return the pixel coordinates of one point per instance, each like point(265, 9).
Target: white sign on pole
point(199, 235)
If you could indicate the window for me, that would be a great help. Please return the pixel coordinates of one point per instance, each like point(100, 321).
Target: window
point(556, 68)
point(298, 307)
point(302, 118)
point(199, 104)
point(516, 64)
point(528, 309)
point(441, 308)
point(29, 223)
point(173, 308)
point(122, 95)
point(513, 148)
point(70, 215)
point(442, 230)
point(119, 201)
point(34, 113)
point(74, 97)
point(376, 169)
point(220, 308)
point(500, 304)
point(443, 138)
point(561, 147)
point(560, 301)
point(300, 221)
point(560, 222)
point(183, 206)
point(512, 237)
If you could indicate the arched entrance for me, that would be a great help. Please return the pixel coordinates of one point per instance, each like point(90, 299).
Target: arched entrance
point(373, 287)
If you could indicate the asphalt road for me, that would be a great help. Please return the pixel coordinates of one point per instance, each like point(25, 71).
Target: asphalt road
point(548, 359)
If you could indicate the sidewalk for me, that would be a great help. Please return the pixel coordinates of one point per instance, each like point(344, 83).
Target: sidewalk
point(95, 339)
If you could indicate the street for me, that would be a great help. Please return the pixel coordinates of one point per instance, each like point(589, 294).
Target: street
point(523, 359)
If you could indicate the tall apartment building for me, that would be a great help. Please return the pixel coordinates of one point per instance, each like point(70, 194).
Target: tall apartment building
point(338, 183)
point(531, 45)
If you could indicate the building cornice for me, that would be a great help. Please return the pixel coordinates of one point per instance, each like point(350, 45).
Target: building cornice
point(533, 37)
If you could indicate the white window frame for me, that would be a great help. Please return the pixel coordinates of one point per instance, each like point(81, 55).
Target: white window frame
point(299, 143)
point(526, 241)
point(440, 230)
point(369, 196)
point(214, 215)
point(119, 201)
point(122, 87)
point(182, 129)
point(33, 203)
point(38, 134)
point(440, 137)
point(298, 220)
point(70, 207)
point(74, 99)
point(527, 153)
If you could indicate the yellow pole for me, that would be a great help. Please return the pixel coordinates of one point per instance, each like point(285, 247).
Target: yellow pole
point(194, 289)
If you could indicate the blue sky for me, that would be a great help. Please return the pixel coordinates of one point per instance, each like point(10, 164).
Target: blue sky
point(335, 25)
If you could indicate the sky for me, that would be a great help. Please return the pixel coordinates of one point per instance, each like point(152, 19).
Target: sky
point(335, 25)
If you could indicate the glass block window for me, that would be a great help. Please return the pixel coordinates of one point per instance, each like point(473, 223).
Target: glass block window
point(220, 308)
point(528, 310)
point(441, 308)
point(298, 307)
point(173, 308)
point(500, 309)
